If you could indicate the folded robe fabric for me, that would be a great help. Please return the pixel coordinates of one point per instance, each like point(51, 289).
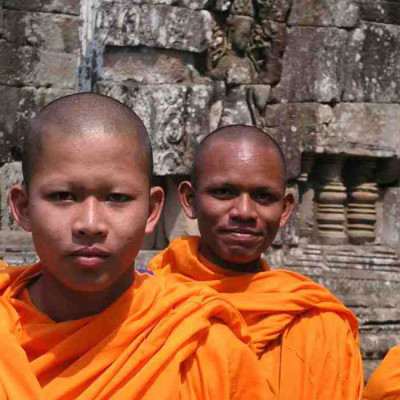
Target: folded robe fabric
point(159, 340)
point(305, 338)
point(384, 383)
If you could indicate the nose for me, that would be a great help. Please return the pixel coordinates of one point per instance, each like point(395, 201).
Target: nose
point(244, 208)
point(89, 219)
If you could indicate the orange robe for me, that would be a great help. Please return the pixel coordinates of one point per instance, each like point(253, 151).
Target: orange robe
point(158, 341)
point(384, 383)
point(307, 341)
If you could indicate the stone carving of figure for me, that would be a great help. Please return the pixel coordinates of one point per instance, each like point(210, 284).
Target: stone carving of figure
point(235, 69)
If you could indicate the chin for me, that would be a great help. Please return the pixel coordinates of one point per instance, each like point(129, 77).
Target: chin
point(95, 285)
point(240, 258)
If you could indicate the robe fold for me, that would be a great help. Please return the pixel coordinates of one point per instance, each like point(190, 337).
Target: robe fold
point(306, 340)
point(158, 340)
point(384, 383)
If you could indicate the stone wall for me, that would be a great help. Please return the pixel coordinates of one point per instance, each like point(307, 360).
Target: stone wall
point(321, 76)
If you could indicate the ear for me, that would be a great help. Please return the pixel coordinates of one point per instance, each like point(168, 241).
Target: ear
point(288, 205)
point(156, 200)
point(186, 197)
point(18, 201)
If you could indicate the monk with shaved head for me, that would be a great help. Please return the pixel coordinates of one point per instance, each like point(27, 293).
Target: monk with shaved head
point(384, 383)
point(82, 324)
point(305, 339)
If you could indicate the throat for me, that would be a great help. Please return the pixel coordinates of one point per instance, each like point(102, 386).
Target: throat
point(61, 303)
point(251, 267)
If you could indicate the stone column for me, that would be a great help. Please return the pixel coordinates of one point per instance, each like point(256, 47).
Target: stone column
point(361, 209)
point(306, 196)
point(330, 199)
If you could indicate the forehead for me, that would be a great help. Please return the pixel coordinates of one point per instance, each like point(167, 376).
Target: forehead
point(77, 155)
point(241, 163)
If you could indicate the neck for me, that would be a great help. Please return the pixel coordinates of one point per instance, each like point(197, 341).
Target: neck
point(61, 303)
point(251, 267)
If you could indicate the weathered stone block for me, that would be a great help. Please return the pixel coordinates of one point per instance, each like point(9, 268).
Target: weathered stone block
point(9, 101)
point(17, 107)
point(146, 65)
point(9, 175)
point(311, 65)
point(193, 4)
point(60, 6)
point(275, 10)
point(297, 127)
point(366, 129)
point(266, 10)
point(133, 25)
point(1, 18)
point(30, 66)
point(56, 69)
point(389, 223)
point(338, 13)
point(49, 32)
point(15, 63)
point(16, 247)
point(174, 116)
point(385, 11)
point(372, 64)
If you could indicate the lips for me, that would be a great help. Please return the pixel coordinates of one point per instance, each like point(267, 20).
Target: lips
point(90, 256)
point(241, 231)
point(242, 236)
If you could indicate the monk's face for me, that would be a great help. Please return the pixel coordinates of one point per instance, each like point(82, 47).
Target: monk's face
point(239, 201)
point(88, 206)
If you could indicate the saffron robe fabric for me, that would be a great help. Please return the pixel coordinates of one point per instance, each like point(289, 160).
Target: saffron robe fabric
point(306, 340)
point(384, 383)
point(157, 341)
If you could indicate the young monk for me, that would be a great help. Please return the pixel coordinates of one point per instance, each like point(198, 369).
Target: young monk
point(306, 339)
point(384, 383)
point(82, 324)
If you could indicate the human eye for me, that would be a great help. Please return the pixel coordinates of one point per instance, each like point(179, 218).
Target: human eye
point(223, 192)
point(119, 198)
point(61, 196)
point(263, 196)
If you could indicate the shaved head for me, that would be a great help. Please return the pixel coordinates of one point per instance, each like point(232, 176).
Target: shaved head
point(84, 115)
point(238, 134)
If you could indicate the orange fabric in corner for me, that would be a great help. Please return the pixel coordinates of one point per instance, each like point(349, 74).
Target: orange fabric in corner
point(305, 338)
point(157, 341)
point(384, 383)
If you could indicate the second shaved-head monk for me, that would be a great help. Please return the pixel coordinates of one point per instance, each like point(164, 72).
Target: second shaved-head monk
point(82, 324)
point(384, 383)
point(306, 340)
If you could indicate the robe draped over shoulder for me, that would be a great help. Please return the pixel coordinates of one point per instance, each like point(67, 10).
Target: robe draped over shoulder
point(384, 383)
point(159, 340)
point(306, 340)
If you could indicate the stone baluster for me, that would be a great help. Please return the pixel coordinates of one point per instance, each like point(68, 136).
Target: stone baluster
point(362, 197)
point(330, 199)
point(306, 197)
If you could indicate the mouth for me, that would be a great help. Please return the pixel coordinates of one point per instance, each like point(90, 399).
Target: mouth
point(242, 233)
point(90, 256)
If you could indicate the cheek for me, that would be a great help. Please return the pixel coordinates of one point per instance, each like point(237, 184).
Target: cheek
point(47, 222)
point(213, 210)
point(271, 215)
point(130, 224)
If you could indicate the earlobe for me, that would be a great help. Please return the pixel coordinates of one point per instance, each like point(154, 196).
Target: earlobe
point(186, 197)
point(288, 206)
point(156, 200)
point(18, 201)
